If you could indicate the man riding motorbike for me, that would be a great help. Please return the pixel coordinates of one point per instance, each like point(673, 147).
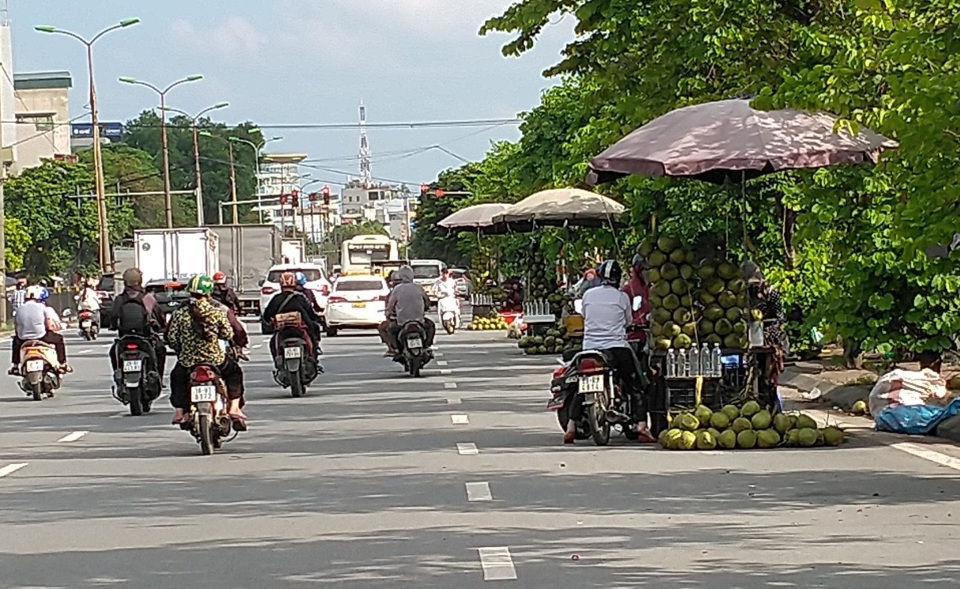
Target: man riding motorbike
point(195, 332)
point(607, 313)
point(290, 300)
point(136, 312)
point(224, 294)
point(88, 300)
point(32, 324)
point(407, 302)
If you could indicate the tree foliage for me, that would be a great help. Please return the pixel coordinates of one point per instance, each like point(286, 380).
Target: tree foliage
point(16, 242)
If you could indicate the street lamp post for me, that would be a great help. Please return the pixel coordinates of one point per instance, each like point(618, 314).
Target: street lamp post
point(256, 156)
point(106, 256)
point(167, 202)
point(196, 151)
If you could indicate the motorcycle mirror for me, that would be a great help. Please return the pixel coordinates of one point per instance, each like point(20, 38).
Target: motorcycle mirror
point(67, 313)
point(260, 282)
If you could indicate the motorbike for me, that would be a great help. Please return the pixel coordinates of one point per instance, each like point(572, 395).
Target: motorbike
point(413, 355)
point(294, 363)
point(603, 401)
point(136, 381)
point(448, 310)
point(38, 366)
point(89, 325)
point(209, 422)
point(563, 391)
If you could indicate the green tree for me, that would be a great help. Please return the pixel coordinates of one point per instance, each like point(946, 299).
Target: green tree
point(128, 169)
point(17, 241)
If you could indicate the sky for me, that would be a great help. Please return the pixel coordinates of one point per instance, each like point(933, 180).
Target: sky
point(305, 62)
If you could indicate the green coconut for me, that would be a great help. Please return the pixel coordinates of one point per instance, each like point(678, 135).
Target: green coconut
point(806, 422)
point(737, 286)
point(663, 343)
point(733, 314)
point(720, 420)
point(783, 423)
point(741, 424)
point(703, 414)
point(690, 329)
point(669, 271)
point(716, 286)
point(761, 420)
point(742, 300)
point(706, 298)
point(707, 271)
point(807, 437)
point(734, 342)
point(740, 328)
point(668, 244)
point(750, 408)
point(647, 247)
point(656, 329)
point(727, 271)
point(713, 339)
point(706, 326)
point(671, 302)
point(713, 313)
point(682, 316)
point(706, 440)
point(653, 275)
point(832, 436)
point(687, 272)
point(727, 439)
point(722, 327)
point(747, 439)
point(686, 301)
point(679, 286)
point(673, 438)
point(727, 300)
point(661, 315)
point(731, 411)
point(678, 256)
point(682, 341)
point(688, 441)
point(671, 329)
point(657, 258)
point(661, 288)
point(768, 438)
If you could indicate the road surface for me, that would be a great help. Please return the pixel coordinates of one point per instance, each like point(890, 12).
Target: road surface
point(456, 480)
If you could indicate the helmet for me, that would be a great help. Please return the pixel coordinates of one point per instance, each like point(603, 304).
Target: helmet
point(288, 280)
point(610, 272)
point(132, 277)
point(201, 284)
point(44, 294)
point(219, 278)
point(301, 278)
point(640, 261)
point(34, 292)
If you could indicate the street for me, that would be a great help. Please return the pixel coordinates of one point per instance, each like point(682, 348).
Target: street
point(455, 480)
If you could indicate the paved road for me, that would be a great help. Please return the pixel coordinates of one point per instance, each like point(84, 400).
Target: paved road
point(452, 481)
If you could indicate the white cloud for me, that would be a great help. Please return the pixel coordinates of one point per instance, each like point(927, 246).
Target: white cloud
point(235, 37)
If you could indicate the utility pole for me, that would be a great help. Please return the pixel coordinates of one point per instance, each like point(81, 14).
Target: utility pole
point(233, 183)
point(3, 245)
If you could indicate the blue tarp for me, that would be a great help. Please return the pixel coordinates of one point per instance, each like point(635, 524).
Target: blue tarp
point(915, 419)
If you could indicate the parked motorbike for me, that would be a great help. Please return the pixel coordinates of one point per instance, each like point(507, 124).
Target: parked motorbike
point(38, 367)
point(209, 422)
point(448, 310)
point(89, 325)
point(413, 355)
point(294, 363)
point(136, 381)
point(602, 399)
point(564, 397)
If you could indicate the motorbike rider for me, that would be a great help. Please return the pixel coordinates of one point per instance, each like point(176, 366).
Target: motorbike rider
point(638, 289)
point(88, 300)
point(301, 288)
point(224, 294)
point(195, 332)
point(33, 323)
point(290, 300)
point(407, 302)
point(136, 312)
point(607, 313)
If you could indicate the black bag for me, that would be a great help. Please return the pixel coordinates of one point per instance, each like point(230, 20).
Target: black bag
point(132, 316)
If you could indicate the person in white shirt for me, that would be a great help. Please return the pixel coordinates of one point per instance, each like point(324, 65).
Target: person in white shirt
point(607, 313)
point(445, 286)
point(36, 321)
point(88, 300)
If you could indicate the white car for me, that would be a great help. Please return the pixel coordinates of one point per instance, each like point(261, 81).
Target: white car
point(316, 281)
point(357, 302)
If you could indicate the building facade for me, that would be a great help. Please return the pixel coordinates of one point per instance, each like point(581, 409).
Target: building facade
point(42, 111)
point(279, 174)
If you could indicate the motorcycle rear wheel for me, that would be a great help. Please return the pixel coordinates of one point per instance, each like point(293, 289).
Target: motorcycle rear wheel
point(206, 434)
point(449, 327)
point(136, 402)
point(38, 391)
point(599, 428)
point(296, 386)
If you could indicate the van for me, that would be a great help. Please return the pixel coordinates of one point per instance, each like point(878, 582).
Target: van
point(426, 273)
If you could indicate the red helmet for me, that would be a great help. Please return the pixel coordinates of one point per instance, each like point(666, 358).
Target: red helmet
point(219, 278)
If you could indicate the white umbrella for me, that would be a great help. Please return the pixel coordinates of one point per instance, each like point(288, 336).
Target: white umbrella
point(473, 217)
point(562, 207)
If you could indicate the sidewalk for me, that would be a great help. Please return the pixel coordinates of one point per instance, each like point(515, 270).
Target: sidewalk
point(841, 388)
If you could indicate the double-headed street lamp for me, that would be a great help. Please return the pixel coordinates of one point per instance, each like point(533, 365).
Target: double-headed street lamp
point(256, 156)
point(106, 258)
point(167, 203)
point(196, 150)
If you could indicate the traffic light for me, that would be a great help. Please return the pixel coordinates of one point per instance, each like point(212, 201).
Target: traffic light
point(326, 195)
point(283, 199)
point(295, 197)
point(424, 188)
point(313, 197)
point(439, 193)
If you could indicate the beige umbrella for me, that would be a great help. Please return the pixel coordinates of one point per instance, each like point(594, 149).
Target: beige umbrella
point(562, 207)
point(473, 217)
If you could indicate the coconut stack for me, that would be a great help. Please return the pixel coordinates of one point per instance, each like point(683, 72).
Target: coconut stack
point(673, 284)
point(722, 297)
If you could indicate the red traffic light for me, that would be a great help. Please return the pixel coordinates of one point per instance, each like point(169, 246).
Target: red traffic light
point(440, 193)
point(326, 192)
point(424, 188)
point(283, 199)
point(313, 196)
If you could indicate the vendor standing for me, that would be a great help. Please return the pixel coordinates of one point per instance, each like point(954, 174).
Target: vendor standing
point(639, 292)
point(766, 299)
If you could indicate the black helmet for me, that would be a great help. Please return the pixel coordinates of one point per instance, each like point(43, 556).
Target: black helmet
point(610, 272)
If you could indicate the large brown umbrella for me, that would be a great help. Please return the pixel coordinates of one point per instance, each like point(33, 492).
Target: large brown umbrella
point(477, 217)
point(730, 140)
point(561, 207)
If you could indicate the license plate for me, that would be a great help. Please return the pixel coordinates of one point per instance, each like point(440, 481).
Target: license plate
point(591, 384)
point(85, 324)
point(132, 365)
point(203, 394)
point(415, 343)
point(291, 352)
point(359, 305)
point(35, 365)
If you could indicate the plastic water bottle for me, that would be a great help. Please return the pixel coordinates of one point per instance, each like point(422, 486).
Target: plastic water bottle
point(706, 360)
point(683, 367)
point(717, 361)
point(695, 361)
point(671, 364)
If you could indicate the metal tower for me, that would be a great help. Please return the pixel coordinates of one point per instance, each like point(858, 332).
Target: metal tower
point(366, 173)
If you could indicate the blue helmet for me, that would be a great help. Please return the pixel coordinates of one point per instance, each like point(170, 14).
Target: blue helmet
point(44, 294)
point(301, 278)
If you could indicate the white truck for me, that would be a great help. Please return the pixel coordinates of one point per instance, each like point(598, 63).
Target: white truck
point(291, 251)
point(247, 252)
point(176, 254)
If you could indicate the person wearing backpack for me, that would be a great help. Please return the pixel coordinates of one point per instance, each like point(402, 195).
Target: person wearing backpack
point(289, 300)
point(136, 312)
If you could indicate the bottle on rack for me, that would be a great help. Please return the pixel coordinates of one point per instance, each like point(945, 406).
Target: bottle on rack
point(717, 362)
point(695, 361)
point(683, 367)
point(706, 366)
point(671, 364)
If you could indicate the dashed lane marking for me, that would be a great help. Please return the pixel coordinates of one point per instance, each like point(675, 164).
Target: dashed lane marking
point(11, 468)
point(441, 363)
point(497, 564)
point(72, 437)
point(926, 454)
point(453, 401)
point(449, 385)
point(479, 492)
point(459, 419)
point(467, 448)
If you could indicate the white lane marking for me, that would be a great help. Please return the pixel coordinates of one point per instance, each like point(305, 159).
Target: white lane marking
point(467, 448)
point(72, 437)
point(449, 385)
point(453, 401)
point(479, 492)
point(438, 355)
point(459, 419)
point(441, 362)
point(83, 351)
point(11, 468)
point(257, 346)
point(497, 564)
point(446, 371)
point(931, 455)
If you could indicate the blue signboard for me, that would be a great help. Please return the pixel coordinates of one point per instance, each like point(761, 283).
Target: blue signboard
point(111, 131)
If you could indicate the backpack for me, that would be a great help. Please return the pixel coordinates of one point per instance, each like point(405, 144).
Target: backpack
point(132, 316)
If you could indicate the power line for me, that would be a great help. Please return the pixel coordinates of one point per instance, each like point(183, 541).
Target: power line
point(354, 126)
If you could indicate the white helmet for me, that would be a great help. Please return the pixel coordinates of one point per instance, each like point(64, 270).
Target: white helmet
point(34, 292)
